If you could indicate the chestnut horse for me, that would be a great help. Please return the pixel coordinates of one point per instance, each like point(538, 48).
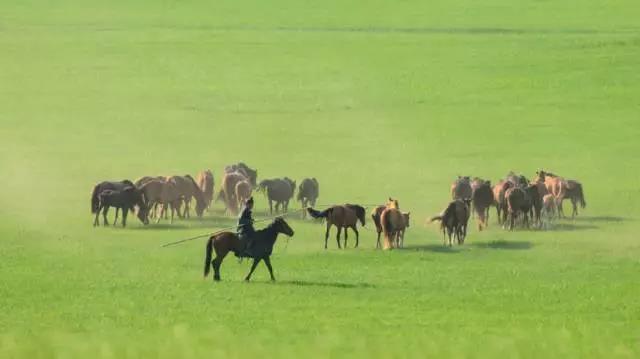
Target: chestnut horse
point(375, 216)
point(226, 242)
point(344, 216)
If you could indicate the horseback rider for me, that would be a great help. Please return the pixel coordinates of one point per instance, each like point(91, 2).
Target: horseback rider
point(245, 226)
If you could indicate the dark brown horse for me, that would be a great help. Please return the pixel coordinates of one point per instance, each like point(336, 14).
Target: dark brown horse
point(574, 193)
point(344, 216)
point(482, 200)
point(308, 193)
point(125, 200)
point(454, 220)
point(461, 188)
point(226, 242)
point(105, 185)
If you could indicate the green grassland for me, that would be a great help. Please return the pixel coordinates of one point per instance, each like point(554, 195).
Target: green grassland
point(375, 99)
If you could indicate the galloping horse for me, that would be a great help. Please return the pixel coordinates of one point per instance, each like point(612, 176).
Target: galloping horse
point(344, 216)
point(226, 242)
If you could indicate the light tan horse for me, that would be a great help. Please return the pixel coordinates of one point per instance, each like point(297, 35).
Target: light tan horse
point(206, 184)
point(243, 192)
point(228, 190)
point(188, 189)
point(549, 209)
point(392, 223)
point(375, 216)
point(164, 193)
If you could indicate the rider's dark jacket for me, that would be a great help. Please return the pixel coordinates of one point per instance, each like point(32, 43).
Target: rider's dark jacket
point(245, 224)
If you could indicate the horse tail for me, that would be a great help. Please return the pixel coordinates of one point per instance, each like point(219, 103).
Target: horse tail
point(95, 201)
point(583, 203)
point(317, 214)
point(435, 218)
point(207, 257)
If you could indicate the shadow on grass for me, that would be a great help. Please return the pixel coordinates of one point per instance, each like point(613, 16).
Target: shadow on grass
point(569, 227)
point(502, 244)
point(438, 248)
point(302, 283)
point(613, 219)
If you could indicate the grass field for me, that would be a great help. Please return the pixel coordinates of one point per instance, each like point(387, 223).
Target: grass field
point(373, 98)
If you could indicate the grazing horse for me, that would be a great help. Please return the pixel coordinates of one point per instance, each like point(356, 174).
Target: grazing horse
point(241, 167)
point(206, 183)
point(228, 190)
point(308, 193)
point(226, 242)
point(279, 191)
point(461, 188)
point(124, 199)
point(188, 189)
point(163, 193)
point(112, 185)
point(243, 192)
point(482, 199)
point(344, 216)
point(454, 220)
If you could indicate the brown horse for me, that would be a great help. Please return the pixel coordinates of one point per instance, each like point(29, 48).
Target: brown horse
point(482, 200)
point(279, 191)
point(392, 223)
point(107, 185)
point(406, 217)
point(518, 205)
point(241, 167)
point(164, 193)
point(454, 220)
point(377, 212)
point(344, 216)
point(243, 192)
point(226, 242)
point(308, 193)
point(574, 193)
point(549, 209)
point(206, 183)
point(188, 189)
point(499, 191)
point(461, 188)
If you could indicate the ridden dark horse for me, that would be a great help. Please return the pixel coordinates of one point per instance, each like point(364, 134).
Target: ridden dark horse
point(261, 250)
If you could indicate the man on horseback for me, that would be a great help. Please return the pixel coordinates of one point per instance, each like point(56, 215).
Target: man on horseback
point(245, 228)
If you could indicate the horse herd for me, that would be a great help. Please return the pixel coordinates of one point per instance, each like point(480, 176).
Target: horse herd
point(159, 197)
point(517, 200)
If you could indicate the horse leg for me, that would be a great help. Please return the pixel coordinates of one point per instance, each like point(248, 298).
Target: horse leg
point(105, 210)
point(378, 241)
point(326, 235)
point(346, 236)
point(217, 262)
point(115, 221)
point(574, 203)
point(270, 206)
point(96, 221)
point(357, 236)
point(338, 236)
point(253, 267)
point(267, 261)
point(125, 211)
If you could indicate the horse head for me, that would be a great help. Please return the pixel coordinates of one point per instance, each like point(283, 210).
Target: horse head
point(282, 226)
